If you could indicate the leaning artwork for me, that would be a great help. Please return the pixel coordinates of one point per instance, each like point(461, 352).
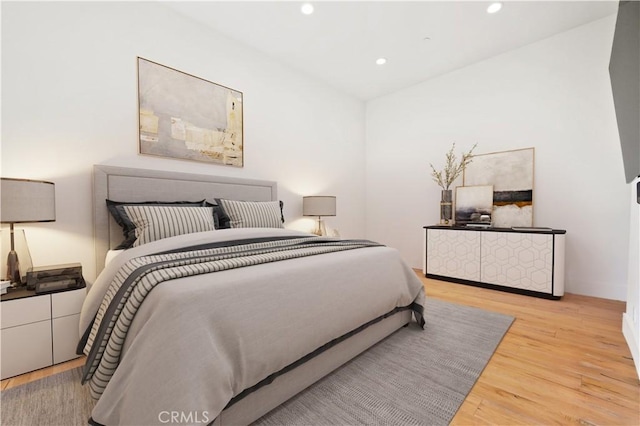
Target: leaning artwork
point(474, 204)
point(187, 117)
point(511, 174)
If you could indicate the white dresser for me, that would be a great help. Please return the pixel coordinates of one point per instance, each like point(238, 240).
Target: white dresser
point(37, 331)
point(528, 262)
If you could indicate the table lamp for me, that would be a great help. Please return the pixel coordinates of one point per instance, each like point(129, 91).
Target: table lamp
point(23, 201)
point(319, 205)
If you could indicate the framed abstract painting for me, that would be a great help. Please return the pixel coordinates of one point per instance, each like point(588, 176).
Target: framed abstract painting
point(511, 174)
point(474, 204)
point(186, 117)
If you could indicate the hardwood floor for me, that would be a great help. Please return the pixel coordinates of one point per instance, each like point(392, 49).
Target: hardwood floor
point(39, 374)
point(561, 362)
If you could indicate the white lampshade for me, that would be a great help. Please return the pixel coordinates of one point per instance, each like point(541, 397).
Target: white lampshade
point(24, 200)
point(319, 205)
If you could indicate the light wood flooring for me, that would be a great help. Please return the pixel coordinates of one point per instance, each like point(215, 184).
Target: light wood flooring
point(39, 374)
point(561, 362)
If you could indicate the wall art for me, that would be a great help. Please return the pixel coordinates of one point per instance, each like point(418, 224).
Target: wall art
point(511, 174)
point(187, 117)
point(474, 204)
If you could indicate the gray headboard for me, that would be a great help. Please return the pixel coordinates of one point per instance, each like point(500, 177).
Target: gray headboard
point(129, 184)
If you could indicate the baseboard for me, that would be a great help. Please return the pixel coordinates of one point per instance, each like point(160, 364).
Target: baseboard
point(632, 340)
point(615, 291)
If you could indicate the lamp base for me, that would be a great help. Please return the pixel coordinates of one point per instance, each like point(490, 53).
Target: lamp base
point(13, 269)
point(320, 229)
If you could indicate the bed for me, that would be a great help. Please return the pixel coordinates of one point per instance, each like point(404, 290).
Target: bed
point(239, 320)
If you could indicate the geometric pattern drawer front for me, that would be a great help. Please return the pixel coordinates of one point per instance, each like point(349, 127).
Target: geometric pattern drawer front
point(518, 260)
point(453, 253)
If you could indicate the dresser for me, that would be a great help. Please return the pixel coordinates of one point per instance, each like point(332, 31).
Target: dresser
point(37, 331)
point(526, 261)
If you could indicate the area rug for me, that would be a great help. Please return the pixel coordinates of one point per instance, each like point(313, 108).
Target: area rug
point(413, 377)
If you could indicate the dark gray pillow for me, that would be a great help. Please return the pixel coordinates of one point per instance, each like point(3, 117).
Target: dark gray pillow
point(220, 218)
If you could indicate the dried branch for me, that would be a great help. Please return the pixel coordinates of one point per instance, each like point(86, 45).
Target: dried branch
point(452, 169)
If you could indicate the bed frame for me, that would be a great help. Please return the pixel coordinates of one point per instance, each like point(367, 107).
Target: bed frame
point(129, 184)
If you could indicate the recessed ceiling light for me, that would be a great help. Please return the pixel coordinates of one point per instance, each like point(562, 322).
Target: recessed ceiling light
point(381, 61)
point(307, 8)
point(494, 7)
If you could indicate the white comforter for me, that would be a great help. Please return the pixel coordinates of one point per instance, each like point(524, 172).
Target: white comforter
point(197, 342)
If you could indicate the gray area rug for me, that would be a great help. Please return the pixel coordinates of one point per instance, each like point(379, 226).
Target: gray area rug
point(413, 377)
point(58, 400)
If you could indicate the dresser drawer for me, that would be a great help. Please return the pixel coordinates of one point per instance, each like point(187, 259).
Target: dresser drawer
point(67, 302)
point(25, 348)
point(65, 338)
point(25, 311)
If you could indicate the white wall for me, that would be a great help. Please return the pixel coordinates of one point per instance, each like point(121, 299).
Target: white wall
point(69, 101)
point(553, 95)
point(630, 320)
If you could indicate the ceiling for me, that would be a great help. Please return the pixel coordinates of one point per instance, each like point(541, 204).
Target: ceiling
point(340, 42)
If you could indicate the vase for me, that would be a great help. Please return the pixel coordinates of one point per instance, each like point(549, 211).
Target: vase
point(446, 207)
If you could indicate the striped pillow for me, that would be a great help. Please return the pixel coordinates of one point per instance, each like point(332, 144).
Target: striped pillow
point(156, 222)
point(253, 214)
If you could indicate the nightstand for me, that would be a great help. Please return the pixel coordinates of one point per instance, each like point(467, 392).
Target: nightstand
point(37, 331)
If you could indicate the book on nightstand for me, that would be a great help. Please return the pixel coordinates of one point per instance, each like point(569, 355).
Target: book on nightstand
point(4, 285)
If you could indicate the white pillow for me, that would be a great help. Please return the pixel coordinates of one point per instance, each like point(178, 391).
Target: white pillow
point(157, 222)
point(252, 214)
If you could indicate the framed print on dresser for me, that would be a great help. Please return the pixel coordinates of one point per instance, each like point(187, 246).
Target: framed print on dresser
point(511, 173)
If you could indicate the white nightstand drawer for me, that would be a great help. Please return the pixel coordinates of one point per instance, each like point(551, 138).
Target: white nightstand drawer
point(25, 348)
point(65, 338)
point(25, 311)
point(67, 302)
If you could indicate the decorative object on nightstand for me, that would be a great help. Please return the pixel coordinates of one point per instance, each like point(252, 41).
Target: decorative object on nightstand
point(444, 178)
point(23, 201)
point(54, 278)
point(319, 205)
point(22, 253)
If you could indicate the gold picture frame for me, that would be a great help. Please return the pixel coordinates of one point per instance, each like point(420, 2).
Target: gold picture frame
point(189, 118)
